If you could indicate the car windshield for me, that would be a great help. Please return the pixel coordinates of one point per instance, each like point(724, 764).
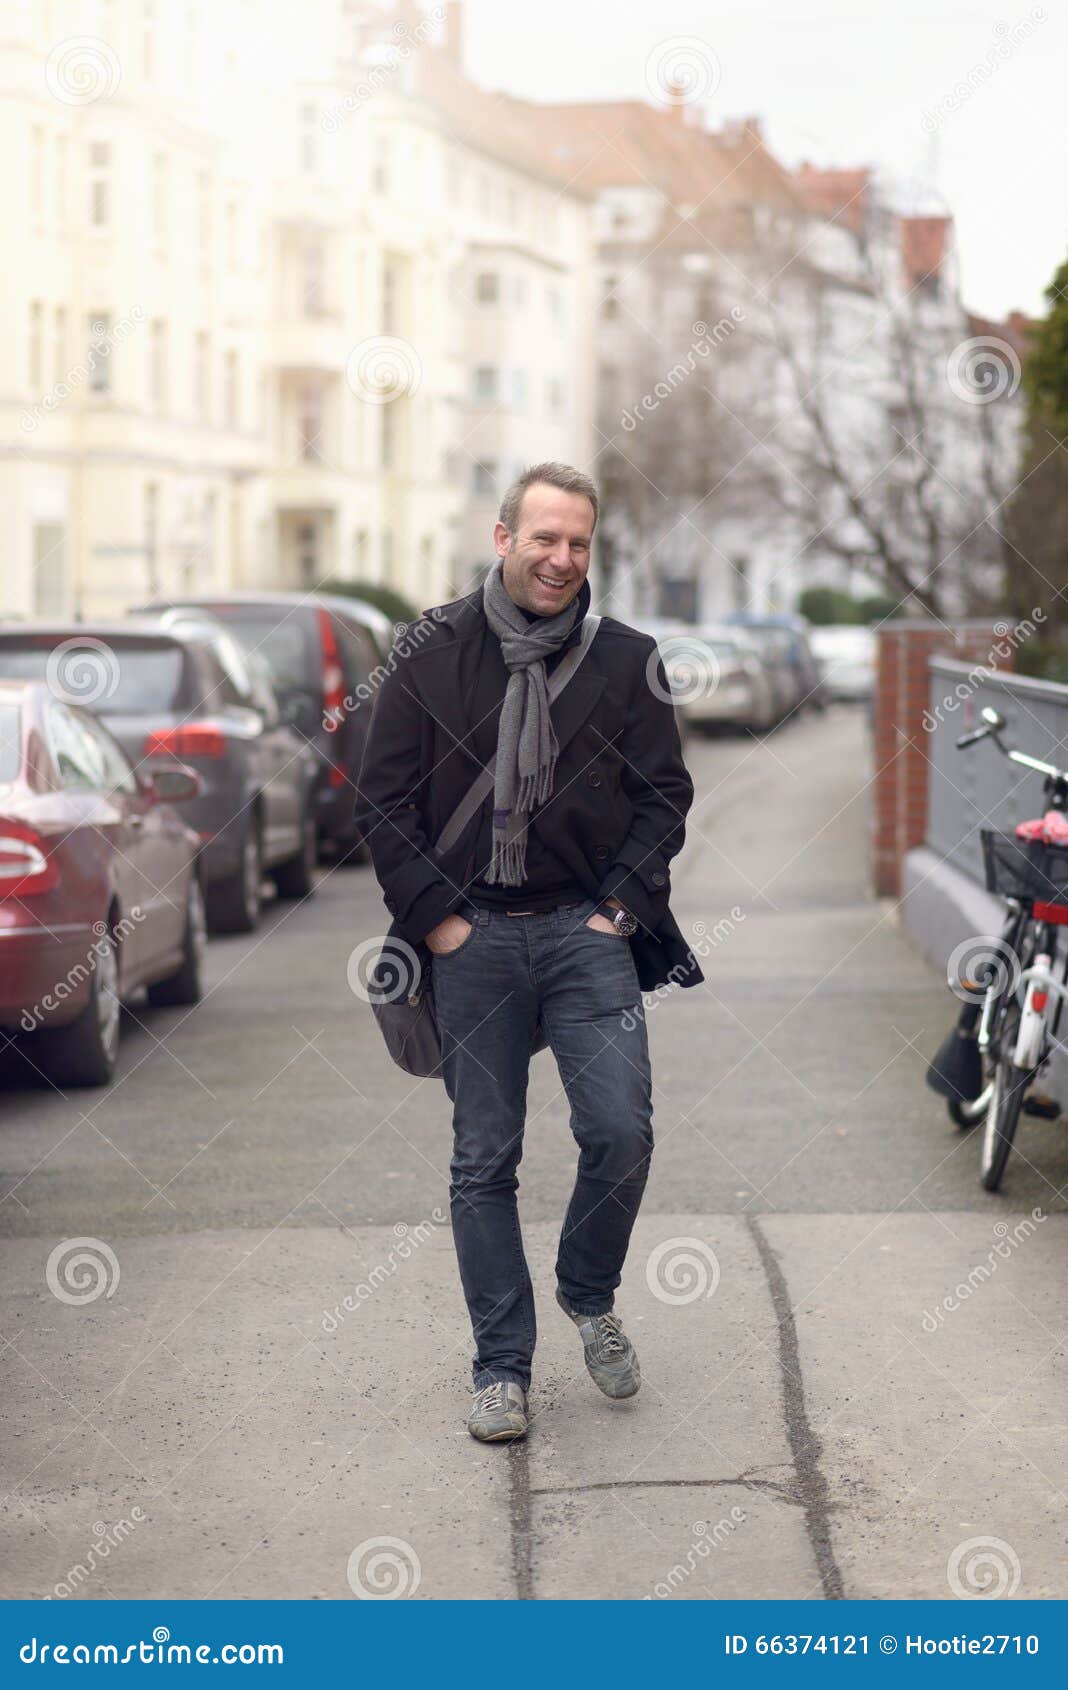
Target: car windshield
point(10, 741)
point(116, 678)
point(281, 638)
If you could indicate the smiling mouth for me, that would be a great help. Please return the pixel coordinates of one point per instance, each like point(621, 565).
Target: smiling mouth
point(546, 581)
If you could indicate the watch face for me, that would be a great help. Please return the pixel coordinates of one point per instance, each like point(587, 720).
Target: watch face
point(626, 923)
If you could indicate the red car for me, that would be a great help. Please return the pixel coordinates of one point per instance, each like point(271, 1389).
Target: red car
point(99, 885)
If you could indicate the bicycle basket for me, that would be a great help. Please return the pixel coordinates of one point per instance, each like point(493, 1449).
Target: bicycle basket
point(1025, 868)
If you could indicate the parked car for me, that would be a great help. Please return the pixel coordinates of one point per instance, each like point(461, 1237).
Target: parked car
point(715, 674)
point(100, 888)
point(846, 655)
point(783, 642)
point(745, 695)
point(185, 692)
point(321, 649)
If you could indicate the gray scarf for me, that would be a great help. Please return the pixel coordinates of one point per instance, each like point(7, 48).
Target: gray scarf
point(526, 739)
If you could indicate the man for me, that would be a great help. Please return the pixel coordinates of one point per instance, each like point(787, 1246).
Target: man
point(550, 910)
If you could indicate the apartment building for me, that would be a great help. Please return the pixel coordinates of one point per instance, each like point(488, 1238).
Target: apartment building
point(290, 303)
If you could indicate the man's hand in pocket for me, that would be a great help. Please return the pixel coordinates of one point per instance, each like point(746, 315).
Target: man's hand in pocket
point(448, 935)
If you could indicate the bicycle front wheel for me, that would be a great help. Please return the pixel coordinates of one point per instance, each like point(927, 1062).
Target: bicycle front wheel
point(1003, 1113)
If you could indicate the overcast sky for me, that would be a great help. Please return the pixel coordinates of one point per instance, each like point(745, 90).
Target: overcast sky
point(971, 99)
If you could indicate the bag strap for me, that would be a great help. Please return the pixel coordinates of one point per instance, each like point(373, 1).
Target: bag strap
point(483, 782)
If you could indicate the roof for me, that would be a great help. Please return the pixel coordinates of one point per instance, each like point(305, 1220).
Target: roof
point(841, 195)
point(924, 244)
point(628, 143)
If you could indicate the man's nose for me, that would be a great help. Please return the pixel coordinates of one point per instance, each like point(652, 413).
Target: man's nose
point(560, 555)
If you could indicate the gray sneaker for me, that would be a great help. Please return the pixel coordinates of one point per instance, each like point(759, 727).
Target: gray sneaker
point(498, 1412)
point(611, 1359)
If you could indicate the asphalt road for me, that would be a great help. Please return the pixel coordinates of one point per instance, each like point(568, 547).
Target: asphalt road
point(825, 1411)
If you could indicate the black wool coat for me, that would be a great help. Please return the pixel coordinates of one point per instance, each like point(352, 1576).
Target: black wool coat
point(620, 794)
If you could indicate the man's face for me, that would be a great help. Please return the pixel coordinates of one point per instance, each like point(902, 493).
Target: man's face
point(546, 562)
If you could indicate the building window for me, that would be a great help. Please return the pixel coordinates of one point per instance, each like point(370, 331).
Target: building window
point(487, 287)
point(59, 345)
point(554, 396)
point(313, 292)
point(310, 424)
point(201, 375)
point(484, 479)
point(519, 390)
point(37, 151)
point(150, 523)
point(160, 199)
point(380, 165)
point(99, 358)
point(157, 371)
point(389, 436)
point(49, 569)
point(61, 179)
point(308, 150)
point(204, 214)
point(34, 361)
point(231, 390)
point(389, 298)
point(485, 378)
point(610, 304)
point(554, 303)
point(99, 184)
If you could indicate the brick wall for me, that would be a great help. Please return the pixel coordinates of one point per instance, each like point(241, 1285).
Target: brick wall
point(902, 694)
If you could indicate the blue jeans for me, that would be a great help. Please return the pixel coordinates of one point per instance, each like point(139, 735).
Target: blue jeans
point(489, 995)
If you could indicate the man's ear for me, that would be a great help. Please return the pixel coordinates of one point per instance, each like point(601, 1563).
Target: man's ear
point(502, 540)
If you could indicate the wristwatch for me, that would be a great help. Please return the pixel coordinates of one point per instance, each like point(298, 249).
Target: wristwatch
point(624, 923)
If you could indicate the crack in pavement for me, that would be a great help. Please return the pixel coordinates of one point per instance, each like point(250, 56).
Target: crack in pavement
point(805, 1447)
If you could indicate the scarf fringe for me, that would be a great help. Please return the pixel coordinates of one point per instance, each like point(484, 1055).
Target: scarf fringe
point(508, 866)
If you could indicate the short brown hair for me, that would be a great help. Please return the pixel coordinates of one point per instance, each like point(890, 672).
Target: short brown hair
point(563, 476)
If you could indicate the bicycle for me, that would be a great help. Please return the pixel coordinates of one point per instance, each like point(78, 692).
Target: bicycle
point(1007, 1028)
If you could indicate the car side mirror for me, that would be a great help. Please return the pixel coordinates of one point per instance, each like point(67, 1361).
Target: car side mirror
point(172, 783)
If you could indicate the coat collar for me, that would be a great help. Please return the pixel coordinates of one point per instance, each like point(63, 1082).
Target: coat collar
point(445, 675)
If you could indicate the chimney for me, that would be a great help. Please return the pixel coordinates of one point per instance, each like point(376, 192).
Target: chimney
point(453, 44)
point(677, 101)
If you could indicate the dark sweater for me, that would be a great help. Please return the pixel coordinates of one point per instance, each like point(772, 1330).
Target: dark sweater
point(547, 881)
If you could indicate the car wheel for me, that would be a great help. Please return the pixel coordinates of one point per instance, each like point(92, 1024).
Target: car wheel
point(84, 1053)
point(234, 903)
point(295, 878)
point(186, 984)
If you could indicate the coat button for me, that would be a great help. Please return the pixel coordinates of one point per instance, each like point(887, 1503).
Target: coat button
point(593, 778)
point(658, 879)
point(601, 851)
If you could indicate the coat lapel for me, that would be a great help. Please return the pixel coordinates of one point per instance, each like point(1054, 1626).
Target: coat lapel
point(446, 678)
